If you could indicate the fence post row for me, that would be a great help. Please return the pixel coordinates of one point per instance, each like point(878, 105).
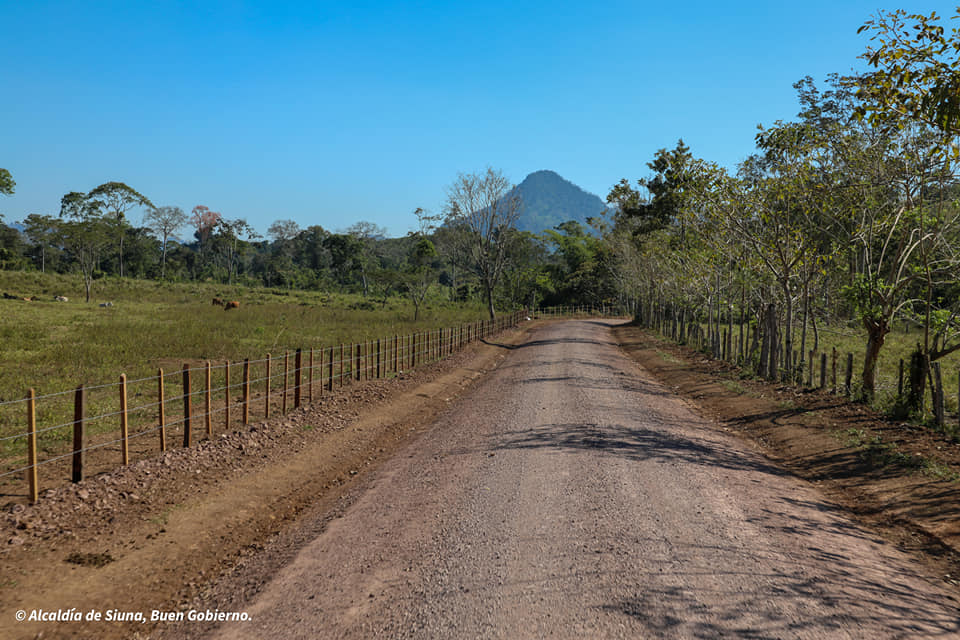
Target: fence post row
point(367, 360)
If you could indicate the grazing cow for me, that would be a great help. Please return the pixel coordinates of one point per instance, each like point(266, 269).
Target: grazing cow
point(218, 302)
point(106, 304)
point(61, 298)
point(233, 304)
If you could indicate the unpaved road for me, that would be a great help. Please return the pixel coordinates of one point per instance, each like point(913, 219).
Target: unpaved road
point(570, 495)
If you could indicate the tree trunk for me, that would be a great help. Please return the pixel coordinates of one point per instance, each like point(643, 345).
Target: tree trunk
point(773, 348)
point(877, 331)
point(919, 368)
point(488, 290)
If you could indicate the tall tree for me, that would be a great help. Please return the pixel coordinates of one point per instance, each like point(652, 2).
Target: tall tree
point(367, 234)
point(83, 232)
point(115, 199)
point(7, 185)
point(164, 221)
point(918, 70)
point(41, 231)
point(487, 204)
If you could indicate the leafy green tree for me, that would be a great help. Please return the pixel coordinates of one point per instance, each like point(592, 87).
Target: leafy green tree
point(345, 255)
point(7, 184)
point(114, 200)
point(41, 230)
point(84, 233)
point(918, 71)
point(366, 260)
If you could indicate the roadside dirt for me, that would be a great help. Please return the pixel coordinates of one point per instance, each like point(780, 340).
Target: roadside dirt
point(899, 478)
point(158, 533)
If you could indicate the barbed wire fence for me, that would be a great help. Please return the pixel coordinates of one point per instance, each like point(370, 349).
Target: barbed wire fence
point(47, 438)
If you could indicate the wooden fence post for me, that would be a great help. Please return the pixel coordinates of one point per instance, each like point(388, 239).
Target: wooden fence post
point(266, 404)
point(823, 370)
point(79, 415)
point(330, 370)
point(208, 401)
point(342, 365)
point(396, 353)
point(900, 380)
point(32, 445)
point(938, 408)
point(833, 371)
point(356, 361)
point(286, 376)
point(162, 427)
point(848, 380)
point(226, 396)
point(246, 391)
point(124, 427)
point(310, 378)
point(186, 405)
point(379, 359)
point(297, 377)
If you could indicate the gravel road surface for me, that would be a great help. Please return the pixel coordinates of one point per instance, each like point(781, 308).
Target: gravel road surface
point(570, 495)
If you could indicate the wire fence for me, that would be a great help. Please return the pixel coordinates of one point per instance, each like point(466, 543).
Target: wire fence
point(828, 370)
point(50, 438)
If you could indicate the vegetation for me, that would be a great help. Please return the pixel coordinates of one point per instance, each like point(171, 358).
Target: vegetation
point(847, 217)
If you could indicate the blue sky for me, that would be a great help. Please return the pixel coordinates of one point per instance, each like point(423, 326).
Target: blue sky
point(331, 113)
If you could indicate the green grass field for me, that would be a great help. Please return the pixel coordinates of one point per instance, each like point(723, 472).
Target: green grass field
point(55, 346)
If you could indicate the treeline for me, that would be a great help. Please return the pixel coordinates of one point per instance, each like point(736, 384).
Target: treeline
point(470, 252)
point(848, 214)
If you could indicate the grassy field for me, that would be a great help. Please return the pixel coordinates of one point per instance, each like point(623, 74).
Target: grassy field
point(54, 346)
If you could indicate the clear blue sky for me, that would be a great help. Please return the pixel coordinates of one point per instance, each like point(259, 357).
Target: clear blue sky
point(331, 113)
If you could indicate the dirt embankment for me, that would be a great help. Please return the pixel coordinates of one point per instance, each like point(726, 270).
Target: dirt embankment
point(900, 478)
point(158, 533)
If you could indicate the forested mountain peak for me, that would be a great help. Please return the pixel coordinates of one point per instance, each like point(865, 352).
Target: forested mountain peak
point(549, 199)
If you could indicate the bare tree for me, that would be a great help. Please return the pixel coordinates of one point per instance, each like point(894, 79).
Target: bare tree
point(488, 205)
point(164, 221)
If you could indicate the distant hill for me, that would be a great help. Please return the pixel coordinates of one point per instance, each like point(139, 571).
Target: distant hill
point(548, 200)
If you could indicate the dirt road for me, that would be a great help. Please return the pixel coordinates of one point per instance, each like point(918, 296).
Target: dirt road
point(570, 495)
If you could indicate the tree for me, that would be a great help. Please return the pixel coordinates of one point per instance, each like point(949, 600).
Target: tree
point(283, 231)
point(115, 199)
point(41, 231)
point(7, 185)
point(487, 204)
point(918, 71)
point(164, 221)
point(229, 237)
point(420, 272)
point(345, 251)
point(204, 221)
point(83, 232)
point(367, 234)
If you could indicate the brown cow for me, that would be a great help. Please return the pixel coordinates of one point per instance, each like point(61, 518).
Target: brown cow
point(218, 302)
point(233, 304)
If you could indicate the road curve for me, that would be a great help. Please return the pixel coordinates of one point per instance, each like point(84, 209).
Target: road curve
point(570, 495)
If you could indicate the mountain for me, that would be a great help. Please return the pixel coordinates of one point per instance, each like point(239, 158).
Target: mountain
point(548, 200)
